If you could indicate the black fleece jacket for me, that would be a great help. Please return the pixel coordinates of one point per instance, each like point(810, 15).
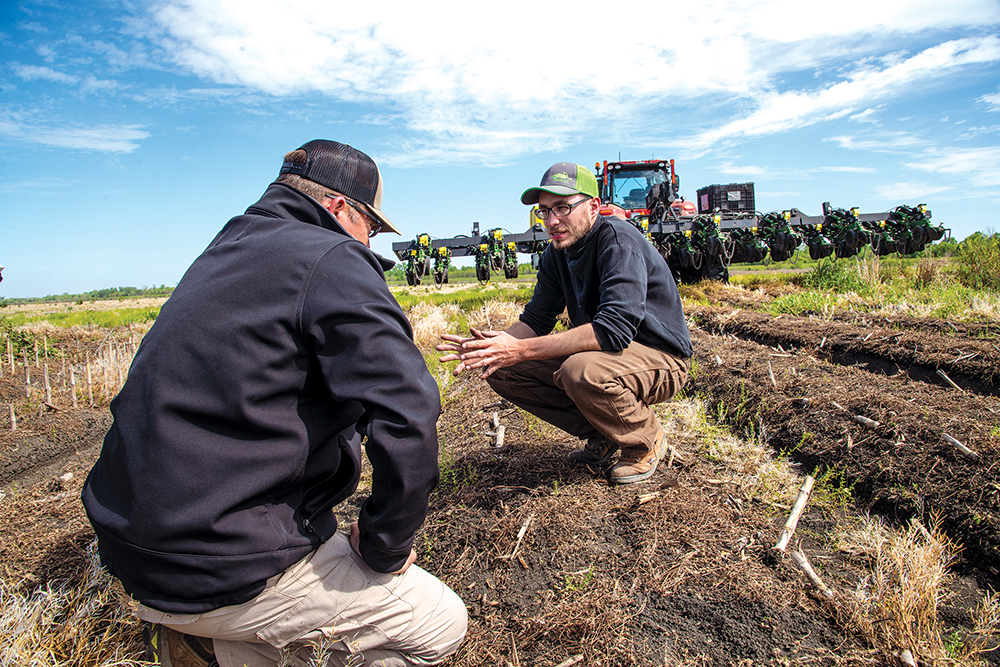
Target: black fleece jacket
point(615, 280)
point(239, 427)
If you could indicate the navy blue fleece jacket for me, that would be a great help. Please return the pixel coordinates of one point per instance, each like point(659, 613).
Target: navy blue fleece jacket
point(240, 424)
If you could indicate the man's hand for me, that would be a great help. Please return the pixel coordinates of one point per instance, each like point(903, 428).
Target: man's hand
point(489, 350)
point(355, 542)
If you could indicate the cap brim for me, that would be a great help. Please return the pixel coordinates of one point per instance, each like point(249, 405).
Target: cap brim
point(386, 223)
point(530, 195)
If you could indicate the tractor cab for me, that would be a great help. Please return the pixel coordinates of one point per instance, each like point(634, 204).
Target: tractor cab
point(627, 188)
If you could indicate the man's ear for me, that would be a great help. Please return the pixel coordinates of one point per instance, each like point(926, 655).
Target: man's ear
point(595, 206)
point(336, 205)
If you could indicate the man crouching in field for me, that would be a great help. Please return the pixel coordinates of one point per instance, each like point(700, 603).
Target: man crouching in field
point(629, 346)
point(239, 429)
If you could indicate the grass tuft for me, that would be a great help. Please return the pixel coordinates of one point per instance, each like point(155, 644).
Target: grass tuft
point(85, 624)
point(896, 606)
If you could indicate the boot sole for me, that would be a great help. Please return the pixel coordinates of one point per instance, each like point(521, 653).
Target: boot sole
point(629, 479)
point(638, 477)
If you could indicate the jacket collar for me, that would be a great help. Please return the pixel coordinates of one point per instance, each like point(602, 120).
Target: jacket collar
point(283, 201)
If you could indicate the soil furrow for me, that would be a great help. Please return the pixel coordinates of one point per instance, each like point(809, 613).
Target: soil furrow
point(971, 363)
point(902, 467)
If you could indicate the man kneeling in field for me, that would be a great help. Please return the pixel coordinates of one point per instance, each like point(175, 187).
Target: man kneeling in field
point(239, 430)
point(629, 347)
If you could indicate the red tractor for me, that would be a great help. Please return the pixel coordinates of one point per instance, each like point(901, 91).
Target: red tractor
point(642, 190)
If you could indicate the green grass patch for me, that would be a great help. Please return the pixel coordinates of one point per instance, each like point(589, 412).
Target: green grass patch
point(109, 319)
point(467, 299)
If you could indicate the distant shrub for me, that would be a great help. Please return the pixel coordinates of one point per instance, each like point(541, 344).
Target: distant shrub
point(833, 275)
point(979, 261)
point(944, 248)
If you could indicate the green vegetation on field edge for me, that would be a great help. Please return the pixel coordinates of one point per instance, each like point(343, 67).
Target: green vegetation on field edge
point(467, 299)
point(106, 319)
point(93, 295)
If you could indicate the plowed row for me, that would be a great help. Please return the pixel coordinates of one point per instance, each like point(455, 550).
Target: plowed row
point(801, 382)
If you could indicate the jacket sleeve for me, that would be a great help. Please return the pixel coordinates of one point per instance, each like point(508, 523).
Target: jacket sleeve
point(364, 346)
point(623, 276)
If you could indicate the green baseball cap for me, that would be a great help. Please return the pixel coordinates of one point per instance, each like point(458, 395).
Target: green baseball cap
point(563, 178)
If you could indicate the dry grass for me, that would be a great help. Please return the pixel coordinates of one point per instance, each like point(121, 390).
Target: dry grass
point(870, 272)
point(927, 272)
point(430, 321)
point(495, 315)
point(986, 306)
point(88, 624)
point(896, 607)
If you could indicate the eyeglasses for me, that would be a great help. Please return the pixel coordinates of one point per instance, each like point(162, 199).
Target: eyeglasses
point(375, 225)
point(560, 210)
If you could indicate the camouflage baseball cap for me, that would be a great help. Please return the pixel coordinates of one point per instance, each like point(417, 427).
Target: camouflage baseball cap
point(563, 178)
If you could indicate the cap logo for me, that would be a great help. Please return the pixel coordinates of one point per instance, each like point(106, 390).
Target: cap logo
point(562, 177)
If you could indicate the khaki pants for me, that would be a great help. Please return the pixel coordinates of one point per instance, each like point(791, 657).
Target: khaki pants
point(590, 393)
point(365, 618)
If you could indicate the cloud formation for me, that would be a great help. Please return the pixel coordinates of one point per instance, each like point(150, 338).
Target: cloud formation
point(104, 138)
point(526, 77)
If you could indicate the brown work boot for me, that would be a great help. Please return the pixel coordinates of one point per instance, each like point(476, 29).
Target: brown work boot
point(637, 464)
point(597, 451)
point(169, 648)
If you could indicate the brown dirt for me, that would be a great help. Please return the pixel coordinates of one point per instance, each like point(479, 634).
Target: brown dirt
point(901, 468)
point(687, 578)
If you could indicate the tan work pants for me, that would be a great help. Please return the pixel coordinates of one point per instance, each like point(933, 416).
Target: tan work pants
point(597, 392)
point(362, 616)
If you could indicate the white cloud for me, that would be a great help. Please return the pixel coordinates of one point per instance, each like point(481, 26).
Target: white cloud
point(33, 26)
point(866, 116)
point(992, 101)
point(34, 73)
point(909, 190)
point(104, 138)
point(887, 142)
point(44, 185)
point(769, 172)
point(975, 131)
point(782, 111)
point(477, 80)
point(93, 85)
point(980, 166)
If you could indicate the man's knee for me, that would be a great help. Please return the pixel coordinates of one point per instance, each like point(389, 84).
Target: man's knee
point(457, 615)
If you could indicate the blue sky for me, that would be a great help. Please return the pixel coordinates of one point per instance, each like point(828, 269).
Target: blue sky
point(131, 131)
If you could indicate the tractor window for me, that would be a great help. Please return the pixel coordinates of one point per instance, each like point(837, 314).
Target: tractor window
point(629, 188)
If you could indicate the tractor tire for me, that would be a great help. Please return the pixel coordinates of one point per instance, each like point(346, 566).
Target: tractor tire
point(819, 250)
point(411, 279)
point(779, 254)
point(716, 271)
point(483, 274)
point(882, 246)
point(510, 272)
